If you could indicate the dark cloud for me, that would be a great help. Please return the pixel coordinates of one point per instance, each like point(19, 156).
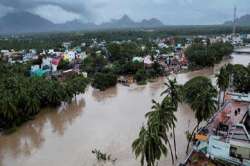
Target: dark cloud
point(26, 5)
point(169, 11)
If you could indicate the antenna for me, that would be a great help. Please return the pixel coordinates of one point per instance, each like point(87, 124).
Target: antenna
point(234, 21)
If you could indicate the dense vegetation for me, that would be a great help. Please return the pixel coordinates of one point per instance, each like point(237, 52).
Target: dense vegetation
point(118, 61)
point(54, 40)
point(200, 55)
point(103, 81)
point(23, 97)
point(240, 77)
point(236, 77)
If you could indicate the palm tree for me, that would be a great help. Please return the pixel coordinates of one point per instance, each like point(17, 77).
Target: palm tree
point(148, 146)
point(173, 91)
point(200, 95)
point(230, 70)
point(32, 105)
point(8, 109)
point(222, 83)
point(162, 118)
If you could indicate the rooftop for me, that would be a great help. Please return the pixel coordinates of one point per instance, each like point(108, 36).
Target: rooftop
point(226, 136)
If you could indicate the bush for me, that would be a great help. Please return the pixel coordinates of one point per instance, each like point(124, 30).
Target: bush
point(141, 76)
point(103, 81)
point(241, 78)
point(94, 63)
point(64, 65)
point(127, 68)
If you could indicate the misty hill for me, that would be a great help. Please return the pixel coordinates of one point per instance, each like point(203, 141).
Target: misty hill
point(24, 22)
point(127, 22)
point(74, 25)
point(153, 22)
point(21, 22)
point(242, 21)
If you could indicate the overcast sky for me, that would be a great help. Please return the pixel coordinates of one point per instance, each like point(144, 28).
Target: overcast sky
point(170, 12)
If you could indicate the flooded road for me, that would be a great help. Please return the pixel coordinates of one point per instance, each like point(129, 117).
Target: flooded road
point(108, 121)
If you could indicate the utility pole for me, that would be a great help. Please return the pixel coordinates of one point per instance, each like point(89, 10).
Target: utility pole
point(234, 21)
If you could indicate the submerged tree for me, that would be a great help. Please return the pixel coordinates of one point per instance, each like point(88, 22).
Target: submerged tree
point(23, 97)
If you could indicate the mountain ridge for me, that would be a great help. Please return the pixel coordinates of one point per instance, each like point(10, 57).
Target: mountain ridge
point(242, 21)
point(22, 22)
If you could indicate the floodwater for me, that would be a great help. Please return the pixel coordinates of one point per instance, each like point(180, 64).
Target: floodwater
point(108, 121)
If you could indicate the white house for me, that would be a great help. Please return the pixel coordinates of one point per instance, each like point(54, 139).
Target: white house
point(66, 45)
point(46, 63)
point(147, 61)
point(83, 55)
point(143, 48)
point(51, 51)
point(162, 45)
point(83, 44)
point(5, 51)
point(137, 59)
point(70, 55)
point(237, 40)
point(248, 36)
point(34, 68)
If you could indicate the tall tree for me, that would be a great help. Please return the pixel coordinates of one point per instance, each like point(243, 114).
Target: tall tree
point(222, 83)
point(149, 146)
point(162, 118)
point(200, 94)
point(173, 91)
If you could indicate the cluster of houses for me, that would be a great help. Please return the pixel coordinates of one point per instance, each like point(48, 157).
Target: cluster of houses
point(49, 59)
point(225, 140)
point(173, 60)
point(235, 40)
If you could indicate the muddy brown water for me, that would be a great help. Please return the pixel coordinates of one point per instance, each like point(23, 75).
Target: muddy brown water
point(108, 121)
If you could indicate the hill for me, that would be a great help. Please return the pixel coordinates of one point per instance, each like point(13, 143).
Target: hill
point(242, 21)
point(126, 22)
point(22, 22)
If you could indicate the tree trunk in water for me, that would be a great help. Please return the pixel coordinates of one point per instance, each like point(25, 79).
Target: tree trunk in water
point(189, 140)
point(224, 93)
point(219, 100)
point(170, 147)
point(175, 144)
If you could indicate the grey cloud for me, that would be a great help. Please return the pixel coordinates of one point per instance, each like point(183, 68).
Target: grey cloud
point(77, 7)
point(169, 11)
